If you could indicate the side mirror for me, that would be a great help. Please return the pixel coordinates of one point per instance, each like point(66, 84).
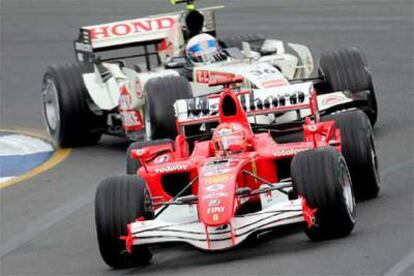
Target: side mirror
point(176, 62)
point(139, 154)
point(268, 52)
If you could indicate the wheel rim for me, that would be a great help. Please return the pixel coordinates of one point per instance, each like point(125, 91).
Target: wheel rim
point(374, 162)
point(147, 121)
point(347, 189)
point(51, 104)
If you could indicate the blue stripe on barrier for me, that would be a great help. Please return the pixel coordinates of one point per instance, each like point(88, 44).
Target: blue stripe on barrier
point(14, 165)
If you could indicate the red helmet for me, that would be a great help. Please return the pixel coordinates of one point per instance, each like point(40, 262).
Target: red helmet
point(229, 138)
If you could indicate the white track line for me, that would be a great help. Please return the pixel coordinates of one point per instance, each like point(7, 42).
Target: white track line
point(401, 266)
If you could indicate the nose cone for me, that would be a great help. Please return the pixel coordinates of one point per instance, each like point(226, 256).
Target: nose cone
point(216, 194)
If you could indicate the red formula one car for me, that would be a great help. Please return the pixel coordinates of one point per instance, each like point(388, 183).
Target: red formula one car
point(245, 178)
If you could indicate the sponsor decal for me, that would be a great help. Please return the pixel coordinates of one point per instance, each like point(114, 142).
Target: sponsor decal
point(215, 195)
point(215, 187)
point(274, 83)
point(215, 210)
point(138, 88)
point(267, 76)
point(171, 168)
point(162, 159)
point(288, 152)
point(217, 179)
point(205, 76)
point(214, 202)
point(82, 47)
point(131, 27)
point(333, 99)
point(130, 118)
point(214, 171)
point(125, 99)
point(263, 74)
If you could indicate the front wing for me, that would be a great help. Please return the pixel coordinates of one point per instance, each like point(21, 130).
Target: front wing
point(180, 224)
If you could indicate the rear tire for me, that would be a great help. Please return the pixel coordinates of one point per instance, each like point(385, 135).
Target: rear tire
point(358, 149)
point(321, 177)
point(68, 118)
point(160, 96)
point(120, 200)
point(346, 69)
point(132, 165)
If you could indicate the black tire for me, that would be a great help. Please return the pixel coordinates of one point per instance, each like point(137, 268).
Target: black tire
point(120, 200)
point(320, 176)
point(133, 165)
point(76, 124)
point(358, 148)
point(160, 95)
point(346, 69)
point(255, 40)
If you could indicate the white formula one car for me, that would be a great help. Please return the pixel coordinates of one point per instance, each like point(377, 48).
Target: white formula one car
point(100, 94)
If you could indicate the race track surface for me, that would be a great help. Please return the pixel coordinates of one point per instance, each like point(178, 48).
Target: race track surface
point(47, 222)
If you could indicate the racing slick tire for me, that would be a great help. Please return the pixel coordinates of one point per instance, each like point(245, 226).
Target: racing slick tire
point(322, 178)
point(358, 148)
point(255, 40)
point(132, 165)
point(160, 96)
point(346, 69)
point(120, 200)
point(68, 117)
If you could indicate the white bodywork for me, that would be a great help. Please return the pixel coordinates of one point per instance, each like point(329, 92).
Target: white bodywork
point(325, 102)
point(168, 28)
point(181, 224)
point(275, 64)
point(259, 74)
point(106, 94)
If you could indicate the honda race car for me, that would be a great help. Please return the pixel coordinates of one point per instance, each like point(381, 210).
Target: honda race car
point(132, 93)
point(241, 178)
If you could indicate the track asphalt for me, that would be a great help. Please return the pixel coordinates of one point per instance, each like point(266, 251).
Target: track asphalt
point(47, 222)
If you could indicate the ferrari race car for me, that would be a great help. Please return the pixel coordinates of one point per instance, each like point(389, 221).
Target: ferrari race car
point(103, 94)
point(241, 178)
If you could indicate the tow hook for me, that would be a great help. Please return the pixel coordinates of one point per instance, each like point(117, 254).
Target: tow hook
point(308, 214)
point(129, 240)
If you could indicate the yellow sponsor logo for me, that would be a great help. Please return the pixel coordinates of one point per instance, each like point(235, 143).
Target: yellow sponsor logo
point(217, 179)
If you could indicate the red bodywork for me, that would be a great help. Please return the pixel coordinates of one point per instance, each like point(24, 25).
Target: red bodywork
point(216, 179)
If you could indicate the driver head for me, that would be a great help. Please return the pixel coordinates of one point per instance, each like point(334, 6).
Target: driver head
point(203, 49)
point(229, 138)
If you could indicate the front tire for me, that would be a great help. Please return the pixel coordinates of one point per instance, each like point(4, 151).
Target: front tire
point(347, 69)
point(68, 118)
point(120, 200)
point(321, 177)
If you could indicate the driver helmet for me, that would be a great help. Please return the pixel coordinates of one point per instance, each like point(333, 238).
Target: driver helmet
point(229, 138)
point(203, 49)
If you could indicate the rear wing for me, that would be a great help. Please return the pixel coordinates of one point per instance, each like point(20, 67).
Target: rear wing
point(255, 102)
point(163, 31)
